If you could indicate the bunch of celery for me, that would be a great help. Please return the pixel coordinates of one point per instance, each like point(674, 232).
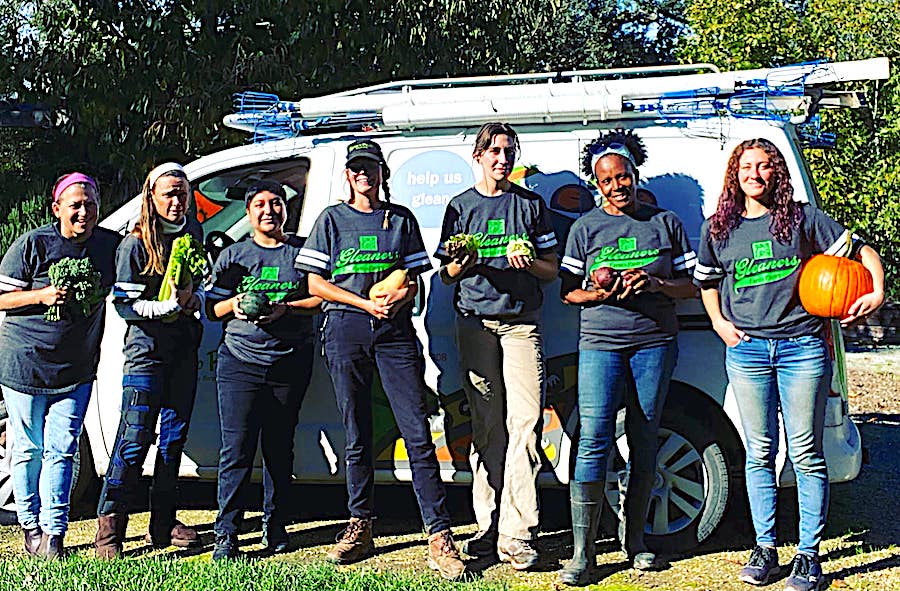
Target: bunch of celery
point(186, 263)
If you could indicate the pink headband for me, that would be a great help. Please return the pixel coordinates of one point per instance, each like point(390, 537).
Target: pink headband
point(72, 179)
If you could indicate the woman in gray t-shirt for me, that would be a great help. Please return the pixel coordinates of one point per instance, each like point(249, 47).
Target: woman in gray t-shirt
point(624, 263)
point(751, 252)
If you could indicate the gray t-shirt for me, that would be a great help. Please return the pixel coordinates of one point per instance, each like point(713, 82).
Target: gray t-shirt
point(42, 357)
point(492, 288)
point(247, 267)
point(756, 276)
point(150, 344)
point(652, 240)
point(354, 251)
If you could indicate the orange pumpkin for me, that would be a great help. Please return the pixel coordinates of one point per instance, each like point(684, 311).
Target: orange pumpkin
point(829, 285)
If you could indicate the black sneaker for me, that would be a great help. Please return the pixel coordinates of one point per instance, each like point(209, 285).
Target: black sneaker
point(762, 566)
point(275, 538)
point(481, 545)
point(806, 574)
point(226, 547)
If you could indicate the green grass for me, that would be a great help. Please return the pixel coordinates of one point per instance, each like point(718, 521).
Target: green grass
point(78, 573)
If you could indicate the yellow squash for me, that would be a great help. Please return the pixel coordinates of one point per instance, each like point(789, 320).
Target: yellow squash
point(396, 280)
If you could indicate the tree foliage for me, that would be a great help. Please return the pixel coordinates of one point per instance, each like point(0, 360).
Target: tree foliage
point(860, 179)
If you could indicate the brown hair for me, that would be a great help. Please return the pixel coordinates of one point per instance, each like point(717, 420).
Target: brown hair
point(149, 228)
point(787, 214)
point(486, 134)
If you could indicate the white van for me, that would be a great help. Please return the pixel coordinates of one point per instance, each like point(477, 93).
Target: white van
point(689, 121)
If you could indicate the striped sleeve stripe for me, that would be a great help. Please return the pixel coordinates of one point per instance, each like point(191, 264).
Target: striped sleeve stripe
point(128, 291)
point(12, 284)
point(415, 257)
point(219, 293)
point(702, 273)
point(303, 259)
point(546, 240)
point(441, 250)
point(314, 254)
point(842, 247)
point(685, 262)
point(573, 265)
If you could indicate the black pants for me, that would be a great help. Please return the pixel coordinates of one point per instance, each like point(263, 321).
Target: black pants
point(258, 402)
point(355, 345)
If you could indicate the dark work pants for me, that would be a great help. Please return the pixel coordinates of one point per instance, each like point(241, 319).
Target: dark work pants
point(258, 402)
point(356, 344)
point(167, 394)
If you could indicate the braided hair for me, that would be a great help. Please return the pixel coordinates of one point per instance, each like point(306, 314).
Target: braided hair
point(385, 175)
point(621, 137)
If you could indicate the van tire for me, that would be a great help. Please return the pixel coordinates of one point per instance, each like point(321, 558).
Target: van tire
point(84, 478)
point(696, 427)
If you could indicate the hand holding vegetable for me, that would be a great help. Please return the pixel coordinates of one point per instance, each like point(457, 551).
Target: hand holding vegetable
point(51, 296)
point(520, 254)
point(187, 261)
point(76, 281)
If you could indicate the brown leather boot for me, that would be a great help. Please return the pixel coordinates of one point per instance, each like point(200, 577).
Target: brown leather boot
point(52, 546)
point(443, 556)
point(110, 535)
point(354, 543)
point(180, 535)
point(32, 540)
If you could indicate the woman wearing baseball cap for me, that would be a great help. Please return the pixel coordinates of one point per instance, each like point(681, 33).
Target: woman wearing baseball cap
point(47, 367)
point(351, 247)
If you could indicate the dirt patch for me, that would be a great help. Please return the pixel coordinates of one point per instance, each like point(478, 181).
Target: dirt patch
point(859, 552)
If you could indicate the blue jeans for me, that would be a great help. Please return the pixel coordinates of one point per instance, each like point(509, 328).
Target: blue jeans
point(792, 375)
point(169, 396)
point(639, 379)
point(45, 430)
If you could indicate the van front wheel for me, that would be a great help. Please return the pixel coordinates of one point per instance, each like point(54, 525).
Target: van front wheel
point(699, 473)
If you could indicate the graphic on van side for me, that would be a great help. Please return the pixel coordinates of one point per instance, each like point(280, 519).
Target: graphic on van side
point(625, 255)
point(365, 259)
point(268, 283)
point(428, 181)
point(763, 268)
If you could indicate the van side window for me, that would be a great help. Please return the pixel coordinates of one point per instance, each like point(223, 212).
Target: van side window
point(219, 198)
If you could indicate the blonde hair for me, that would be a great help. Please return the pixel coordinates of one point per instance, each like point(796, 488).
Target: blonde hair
point(149, 229)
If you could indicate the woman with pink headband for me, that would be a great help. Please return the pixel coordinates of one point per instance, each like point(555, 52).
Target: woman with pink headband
point(47, 367)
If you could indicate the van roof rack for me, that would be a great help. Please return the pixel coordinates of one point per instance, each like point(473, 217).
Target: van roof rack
point(669, 93)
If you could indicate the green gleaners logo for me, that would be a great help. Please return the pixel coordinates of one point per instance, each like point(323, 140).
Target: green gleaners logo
point(368, 242)
point(762, 250)
point(763, 268)
point(269, 274)
point(496, 227)
point(268, 283)
point(627, 244)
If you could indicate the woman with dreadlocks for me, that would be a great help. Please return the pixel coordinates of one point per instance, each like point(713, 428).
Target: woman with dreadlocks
point(776, 357)
point(624, 264)
point(352, 246)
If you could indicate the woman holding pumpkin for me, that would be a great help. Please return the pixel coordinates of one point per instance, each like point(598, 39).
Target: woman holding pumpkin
point(751, 252)
point(351, 247)
point(264, 364)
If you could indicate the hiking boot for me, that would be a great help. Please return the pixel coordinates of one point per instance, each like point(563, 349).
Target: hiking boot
point(443, 557)
point(649, 561)
point(51, 546)
point(354, 542)
point(806, 574)
point(110, 535)
point(226, 547)
point(275, 538)
point(762, 566)
point(518, 553)
point(180, 535)
point(482, 544)
point(32, 539)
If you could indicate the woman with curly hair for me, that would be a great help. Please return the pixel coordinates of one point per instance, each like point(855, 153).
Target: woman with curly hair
point(776, 357)
point(624, 263)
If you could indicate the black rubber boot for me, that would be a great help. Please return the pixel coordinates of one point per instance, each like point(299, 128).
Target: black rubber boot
point(586, 500)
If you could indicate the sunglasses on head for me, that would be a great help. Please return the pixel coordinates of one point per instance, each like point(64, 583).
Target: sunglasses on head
point(600, 148)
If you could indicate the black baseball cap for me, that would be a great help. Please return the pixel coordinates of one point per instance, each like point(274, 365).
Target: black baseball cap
point(365, 149)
